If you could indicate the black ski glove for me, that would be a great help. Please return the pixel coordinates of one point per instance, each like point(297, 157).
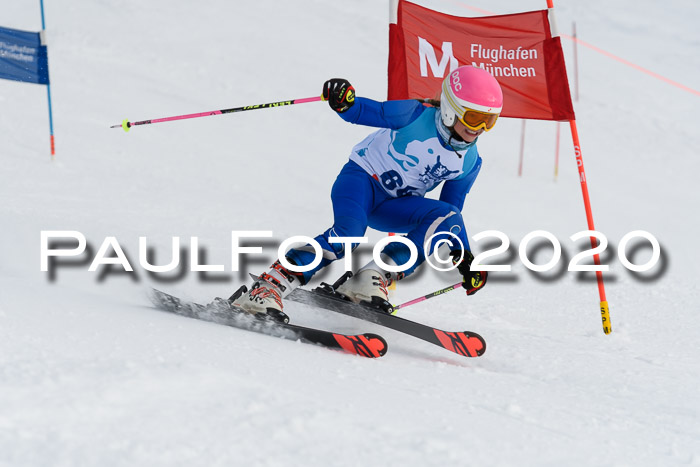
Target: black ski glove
point(472, 281)
point(339, 93)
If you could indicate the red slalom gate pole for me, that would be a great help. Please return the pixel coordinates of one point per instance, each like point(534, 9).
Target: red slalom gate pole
point(604, 309)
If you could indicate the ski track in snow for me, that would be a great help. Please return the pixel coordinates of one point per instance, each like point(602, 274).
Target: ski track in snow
point(91, 374)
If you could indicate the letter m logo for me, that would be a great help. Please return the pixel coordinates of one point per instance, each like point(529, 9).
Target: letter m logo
point(426, 53)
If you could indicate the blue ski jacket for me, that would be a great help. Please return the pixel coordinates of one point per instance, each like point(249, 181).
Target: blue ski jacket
point(408, 155)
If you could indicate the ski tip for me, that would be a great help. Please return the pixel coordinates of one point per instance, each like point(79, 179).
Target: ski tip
point(153, 295)
point(480, 349)
point(159, 298)
point(465, 343)
point(377, 343)
point(364, 345)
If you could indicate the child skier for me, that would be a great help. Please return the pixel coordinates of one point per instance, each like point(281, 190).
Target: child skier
point(384, 183)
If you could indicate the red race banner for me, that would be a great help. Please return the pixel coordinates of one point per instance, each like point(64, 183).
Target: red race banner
point(519, 50)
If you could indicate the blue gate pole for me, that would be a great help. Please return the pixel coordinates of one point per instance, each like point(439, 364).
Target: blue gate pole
point(48, 86)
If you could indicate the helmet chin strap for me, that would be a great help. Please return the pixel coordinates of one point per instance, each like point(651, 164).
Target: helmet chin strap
point(455, 135)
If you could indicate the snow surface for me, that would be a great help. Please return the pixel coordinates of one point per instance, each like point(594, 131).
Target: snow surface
point(90, 374)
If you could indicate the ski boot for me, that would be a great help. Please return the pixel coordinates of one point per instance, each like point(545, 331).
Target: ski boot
point(368, 288)
point(264, 300)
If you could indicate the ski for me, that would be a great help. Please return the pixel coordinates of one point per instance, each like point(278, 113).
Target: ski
point(465, 343)
point(222, 312)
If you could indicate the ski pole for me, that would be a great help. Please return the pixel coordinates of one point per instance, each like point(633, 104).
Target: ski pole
point(430, 295)
point(126, 124)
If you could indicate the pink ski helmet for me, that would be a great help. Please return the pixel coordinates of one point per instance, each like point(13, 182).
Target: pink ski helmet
point(471, 95)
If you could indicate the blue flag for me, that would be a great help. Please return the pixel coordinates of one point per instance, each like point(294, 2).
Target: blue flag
point(23, 57)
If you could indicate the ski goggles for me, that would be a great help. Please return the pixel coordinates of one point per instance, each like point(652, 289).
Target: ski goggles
point(476, 120)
